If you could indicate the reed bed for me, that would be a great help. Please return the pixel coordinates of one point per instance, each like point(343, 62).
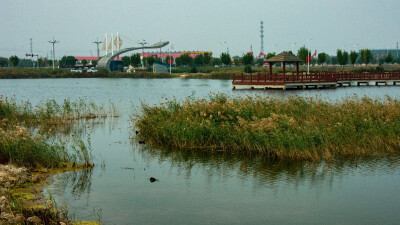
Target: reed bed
point(291, 128)
point(26, 131)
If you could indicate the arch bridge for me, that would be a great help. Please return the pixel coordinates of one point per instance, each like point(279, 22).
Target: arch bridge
point(105, 61)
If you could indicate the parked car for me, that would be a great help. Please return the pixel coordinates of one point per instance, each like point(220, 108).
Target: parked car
point(91, 70)
point(76, 71)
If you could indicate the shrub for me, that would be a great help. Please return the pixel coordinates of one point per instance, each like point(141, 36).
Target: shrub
point(247, 69)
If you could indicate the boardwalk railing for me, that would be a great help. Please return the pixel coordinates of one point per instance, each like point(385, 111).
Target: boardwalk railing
point(321, 77)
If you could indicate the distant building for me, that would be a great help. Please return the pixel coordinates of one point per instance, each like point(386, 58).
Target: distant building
point(89, 59)
point(160, 67)
point(174, 55)
point(382, 53)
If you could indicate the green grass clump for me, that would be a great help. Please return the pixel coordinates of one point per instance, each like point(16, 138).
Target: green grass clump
point(19, 146)
point(26, 131)
point(293, 128)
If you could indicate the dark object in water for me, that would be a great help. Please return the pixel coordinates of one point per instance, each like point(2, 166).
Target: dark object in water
point(128, 168)
point(137, 132)
point(152, 179)
point(142, 142)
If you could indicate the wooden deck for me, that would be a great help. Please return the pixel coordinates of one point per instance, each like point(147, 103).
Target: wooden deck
point(315, 80)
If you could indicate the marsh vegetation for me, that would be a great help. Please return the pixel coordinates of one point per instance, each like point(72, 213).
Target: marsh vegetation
point(292, 128)
point(26, 131)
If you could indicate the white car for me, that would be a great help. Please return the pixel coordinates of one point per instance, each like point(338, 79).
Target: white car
point(91, 70)
point(76, 71)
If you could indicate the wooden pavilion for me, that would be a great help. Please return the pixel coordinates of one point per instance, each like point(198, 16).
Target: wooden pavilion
point(284, 57)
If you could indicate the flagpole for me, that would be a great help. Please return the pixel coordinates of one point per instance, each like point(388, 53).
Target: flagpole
point(308, 54)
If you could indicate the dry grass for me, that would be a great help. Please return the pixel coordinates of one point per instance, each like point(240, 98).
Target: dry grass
point(294, 128)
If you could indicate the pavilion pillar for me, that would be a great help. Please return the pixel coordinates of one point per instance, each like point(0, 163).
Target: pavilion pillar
point(284, 72)
point(297, 68)
point(270, 68)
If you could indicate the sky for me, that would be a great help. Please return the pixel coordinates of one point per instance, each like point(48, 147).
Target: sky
point(200, 25)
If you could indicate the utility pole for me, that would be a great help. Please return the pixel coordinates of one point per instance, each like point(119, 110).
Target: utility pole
point(142, 42)
point(33, 65)
point(98, 51)
point(54, 54)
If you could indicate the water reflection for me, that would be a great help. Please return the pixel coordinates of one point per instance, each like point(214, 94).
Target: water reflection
point(263, 171)
point(78, 182)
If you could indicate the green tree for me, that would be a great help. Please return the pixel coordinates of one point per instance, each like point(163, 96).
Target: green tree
point(150, 60)
point(207, 59)
point(353, 57)
point(248, 59)
point(389, 58)
point(216, 61)
point(3, 62)
point(94, 63)
point(67, 62)
point(84, 62)
point(198, 60)
point(260, 62)
point(303, 53)
point(126, 60)
point(226, 58)
point(270, 55)
point(321, 58)
point(178, 61)
point(42, 62)
point(366, 56)
point(14, 60)
point(185, 59)
point(342, 57)
point(236, 61)
point(328, 59)
point(135, 59)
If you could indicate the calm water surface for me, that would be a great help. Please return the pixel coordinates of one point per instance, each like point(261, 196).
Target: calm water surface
point(204, 188)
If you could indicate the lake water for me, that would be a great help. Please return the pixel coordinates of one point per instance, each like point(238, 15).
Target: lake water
point(204, 188)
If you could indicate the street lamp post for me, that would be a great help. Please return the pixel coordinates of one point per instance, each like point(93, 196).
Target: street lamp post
point(169, 61)
point(220, 46)
point(292, 45)
point(142, 42)
point(308, 56)
point(54, 54)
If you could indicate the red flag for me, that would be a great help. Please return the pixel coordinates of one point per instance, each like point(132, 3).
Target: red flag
point(315, 54)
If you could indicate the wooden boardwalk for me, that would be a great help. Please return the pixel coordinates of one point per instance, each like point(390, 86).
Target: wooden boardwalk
point(315, 80)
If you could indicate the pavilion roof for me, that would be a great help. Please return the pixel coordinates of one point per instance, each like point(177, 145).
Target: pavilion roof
point(284, 57)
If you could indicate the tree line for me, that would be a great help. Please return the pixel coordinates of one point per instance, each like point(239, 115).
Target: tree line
point(342, 58)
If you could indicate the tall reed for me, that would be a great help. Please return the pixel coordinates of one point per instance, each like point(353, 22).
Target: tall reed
point(295, 127)
point(26, 131)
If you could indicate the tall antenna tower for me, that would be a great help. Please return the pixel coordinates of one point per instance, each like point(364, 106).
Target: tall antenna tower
point(262, 36)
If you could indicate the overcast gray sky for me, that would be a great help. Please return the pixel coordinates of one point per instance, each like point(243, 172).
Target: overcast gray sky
point(198, 25)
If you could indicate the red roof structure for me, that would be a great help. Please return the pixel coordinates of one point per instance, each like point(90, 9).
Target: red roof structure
point(90, 58)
